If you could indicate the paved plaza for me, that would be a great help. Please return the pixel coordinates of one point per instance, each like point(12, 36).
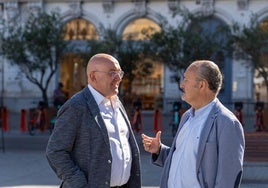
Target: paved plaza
point(23, 164)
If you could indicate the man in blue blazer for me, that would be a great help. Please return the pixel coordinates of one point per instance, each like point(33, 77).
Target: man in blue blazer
point(208, 149)
point(92, 144)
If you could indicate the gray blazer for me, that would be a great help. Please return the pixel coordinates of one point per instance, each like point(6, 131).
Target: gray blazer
point(220, 153)
point(78, 149)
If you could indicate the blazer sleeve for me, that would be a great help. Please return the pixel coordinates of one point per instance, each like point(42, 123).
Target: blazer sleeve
point(60, 146)
point(231, 146)
point(160, 159)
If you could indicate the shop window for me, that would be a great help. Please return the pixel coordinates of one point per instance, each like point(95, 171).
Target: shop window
point(80, 29)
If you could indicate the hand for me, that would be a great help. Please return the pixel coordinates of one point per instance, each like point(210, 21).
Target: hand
point(150, 144)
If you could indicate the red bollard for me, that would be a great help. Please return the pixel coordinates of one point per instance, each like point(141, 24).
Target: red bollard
point(259, 123)
point(4, 115)
point(43, 120)
point(137, 121)
point(157, 121)
point(239, 115)
point(23, 120)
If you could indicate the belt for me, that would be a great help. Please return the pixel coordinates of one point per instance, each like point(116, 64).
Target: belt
point(122, 186)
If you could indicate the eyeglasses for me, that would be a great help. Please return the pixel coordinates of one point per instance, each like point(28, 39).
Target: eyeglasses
point(113, 74)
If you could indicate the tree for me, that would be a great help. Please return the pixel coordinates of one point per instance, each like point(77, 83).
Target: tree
point(128, 52)
point(191, 39)
point(35, 48)
point(251, 43)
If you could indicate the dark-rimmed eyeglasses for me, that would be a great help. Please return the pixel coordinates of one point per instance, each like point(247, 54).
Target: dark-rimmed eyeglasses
point(113, 74)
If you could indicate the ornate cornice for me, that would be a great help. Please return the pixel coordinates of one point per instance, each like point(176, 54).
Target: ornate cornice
point(35, 6)
point(141, 7)
point(242, 4)
point(12, 10)
point(173, 5)
point(1, 11)
point(75, 8)
point(207, 7)
point(108, 6)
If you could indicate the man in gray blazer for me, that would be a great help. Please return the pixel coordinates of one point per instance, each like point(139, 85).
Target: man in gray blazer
point(92, 144)
point(208, 149)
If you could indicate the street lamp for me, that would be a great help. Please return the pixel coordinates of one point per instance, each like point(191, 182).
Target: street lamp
point(2, 104)
point(2, 75)
point(2, 89)
point(1, 53)
point(2, 98)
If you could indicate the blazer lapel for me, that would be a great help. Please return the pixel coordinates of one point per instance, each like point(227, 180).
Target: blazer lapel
point(184, 118)
point(94, 109)
point(124, 114)
point(205, 133)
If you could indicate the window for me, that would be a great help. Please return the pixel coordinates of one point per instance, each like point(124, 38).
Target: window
point(80, 29)
point(136, 29)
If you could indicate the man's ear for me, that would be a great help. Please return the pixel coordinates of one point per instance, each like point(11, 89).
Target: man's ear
point(203, 84)
point(91, 76)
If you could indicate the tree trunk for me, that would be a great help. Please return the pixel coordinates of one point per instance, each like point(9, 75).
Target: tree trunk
point(45, 98)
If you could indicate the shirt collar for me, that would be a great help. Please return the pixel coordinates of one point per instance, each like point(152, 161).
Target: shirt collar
point(100, 99)
point(205, 108)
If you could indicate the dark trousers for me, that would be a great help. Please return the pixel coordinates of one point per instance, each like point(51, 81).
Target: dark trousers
point(122, 186)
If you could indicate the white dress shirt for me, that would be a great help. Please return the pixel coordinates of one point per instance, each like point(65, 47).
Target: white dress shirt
point(182, 172)
point(118, 136)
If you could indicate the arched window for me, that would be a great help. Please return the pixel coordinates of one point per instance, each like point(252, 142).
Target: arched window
point(259, 82)
point(213, 33)
point(136, 29)
point(145, 86)
point(80, 29)
point(264, 25)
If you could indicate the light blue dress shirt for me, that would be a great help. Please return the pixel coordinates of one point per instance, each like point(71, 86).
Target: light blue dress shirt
point(182, 172)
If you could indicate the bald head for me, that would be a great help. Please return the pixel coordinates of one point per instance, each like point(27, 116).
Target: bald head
point(104, 74)
point(100, 60)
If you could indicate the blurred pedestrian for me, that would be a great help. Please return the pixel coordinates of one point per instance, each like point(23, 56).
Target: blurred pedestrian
point(92, 144)
point(208, 149)
point(59, 96)
point(137, 118)
point(158, 105)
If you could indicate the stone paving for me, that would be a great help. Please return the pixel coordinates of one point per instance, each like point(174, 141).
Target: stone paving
point(23, 164)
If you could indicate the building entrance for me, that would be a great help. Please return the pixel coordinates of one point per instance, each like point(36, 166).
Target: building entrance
point(72, 73)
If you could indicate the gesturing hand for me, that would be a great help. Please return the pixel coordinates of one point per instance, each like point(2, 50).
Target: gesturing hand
point(151, 144)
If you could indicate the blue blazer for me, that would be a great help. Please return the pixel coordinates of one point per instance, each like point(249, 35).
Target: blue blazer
point(220, 152)
point(79, 150)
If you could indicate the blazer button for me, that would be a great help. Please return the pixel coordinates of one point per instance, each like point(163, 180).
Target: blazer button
point(109, 161)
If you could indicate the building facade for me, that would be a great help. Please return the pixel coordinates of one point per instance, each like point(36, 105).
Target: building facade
point(88, 19)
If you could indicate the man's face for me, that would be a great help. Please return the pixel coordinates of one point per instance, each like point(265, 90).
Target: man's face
point(108, 78)
point(190, 86)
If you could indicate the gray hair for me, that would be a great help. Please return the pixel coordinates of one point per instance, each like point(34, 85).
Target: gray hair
point(209, 71)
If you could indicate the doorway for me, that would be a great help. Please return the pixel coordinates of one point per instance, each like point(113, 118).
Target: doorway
point(73, 73)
